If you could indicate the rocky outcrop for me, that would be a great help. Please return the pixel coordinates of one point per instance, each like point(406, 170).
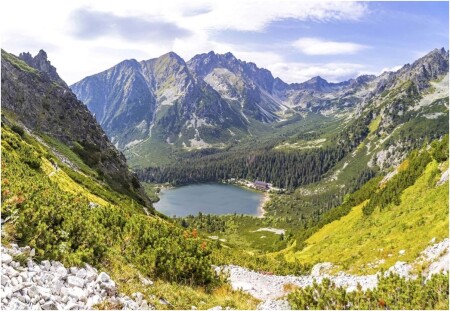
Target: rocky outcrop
point(49, 285)
point(41, 63)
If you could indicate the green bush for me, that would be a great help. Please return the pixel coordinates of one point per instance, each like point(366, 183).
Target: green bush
point(61, 226)
point(392, 292)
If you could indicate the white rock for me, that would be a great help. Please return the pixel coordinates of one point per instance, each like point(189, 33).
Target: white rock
point(439, 266)
point(93, 300)
point(110, 287)
point(73, 306)
point(75, 281)
point(144, 305)
point(32, 252)
point(73, 270)
point(49, 305)
point(33, 291)
point(103, 277)
point(36, 307)
point(216, 308)
point(5, 280)
point(402, 252)
point(15, 304)
point(81, 273)
point(44, 292)
point(61, 272)
point(14, 282)
point(11, 272)
point(145, 281)
point(401, 268)
point(24, 298)
point(78, 294)
point(138, 297)
point(65, 299)
point(274, 305)
point(45, 265)
point(91, 275)
point(6, 258)
point(6, 293)
point(245, 286)
point(56, 287)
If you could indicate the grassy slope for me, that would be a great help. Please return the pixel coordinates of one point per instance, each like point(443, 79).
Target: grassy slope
point(355, 240)
point(18, 193)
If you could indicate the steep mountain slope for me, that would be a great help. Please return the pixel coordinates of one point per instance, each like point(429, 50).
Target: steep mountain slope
point(397, 232)
point(37, 98)
point(159, 99)
point(240, 82)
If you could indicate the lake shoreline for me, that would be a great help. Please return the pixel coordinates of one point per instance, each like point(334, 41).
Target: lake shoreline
point(261, 211)
point(224, 201)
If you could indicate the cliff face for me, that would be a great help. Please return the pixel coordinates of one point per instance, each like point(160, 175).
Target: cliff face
point(42, 101)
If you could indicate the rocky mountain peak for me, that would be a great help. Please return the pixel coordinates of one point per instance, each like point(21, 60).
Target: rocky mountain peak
point(41, 63)
point(426, 68)
point(316, 83)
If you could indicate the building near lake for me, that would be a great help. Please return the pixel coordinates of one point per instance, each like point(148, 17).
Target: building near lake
point(261, 185)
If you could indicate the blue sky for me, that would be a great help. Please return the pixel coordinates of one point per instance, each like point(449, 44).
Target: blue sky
point(296, 40)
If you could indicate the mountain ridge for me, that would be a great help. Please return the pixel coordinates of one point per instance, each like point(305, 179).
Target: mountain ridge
point(215, 100)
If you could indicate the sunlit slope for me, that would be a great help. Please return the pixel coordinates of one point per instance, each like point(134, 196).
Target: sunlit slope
point(363, 244)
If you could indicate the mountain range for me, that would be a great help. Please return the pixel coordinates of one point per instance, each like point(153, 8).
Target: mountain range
point(214, 100)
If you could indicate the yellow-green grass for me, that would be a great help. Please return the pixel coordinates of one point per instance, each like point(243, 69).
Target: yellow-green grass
point(357, 240)
point(65, 183)
point(373, 126)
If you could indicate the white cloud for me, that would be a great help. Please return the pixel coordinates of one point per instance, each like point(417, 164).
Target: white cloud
point(393, 68)
point(49, 24)
point(332, 72)
point(255, 15)
point(316, 46)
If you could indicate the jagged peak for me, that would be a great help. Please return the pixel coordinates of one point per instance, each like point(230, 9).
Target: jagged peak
point(41, 63)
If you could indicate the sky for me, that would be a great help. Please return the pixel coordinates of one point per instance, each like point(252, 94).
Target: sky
point(295, 40)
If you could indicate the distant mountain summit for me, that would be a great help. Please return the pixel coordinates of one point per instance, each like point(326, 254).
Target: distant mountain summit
point(216, 99)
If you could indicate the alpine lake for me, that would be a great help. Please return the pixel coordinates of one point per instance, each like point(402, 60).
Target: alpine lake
point(210, 198)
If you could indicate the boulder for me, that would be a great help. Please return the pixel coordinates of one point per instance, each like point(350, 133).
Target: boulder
point(81, 273)
point(75, 281)
point(6, 258)
point(103, 277)
point(78, 294)
point(49, 305)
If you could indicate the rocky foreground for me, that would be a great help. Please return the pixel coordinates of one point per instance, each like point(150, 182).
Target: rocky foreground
point(51, 286)
point(271, 288)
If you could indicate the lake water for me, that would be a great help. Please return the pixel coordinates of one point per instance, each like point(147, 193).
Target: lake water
point(216, 199)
